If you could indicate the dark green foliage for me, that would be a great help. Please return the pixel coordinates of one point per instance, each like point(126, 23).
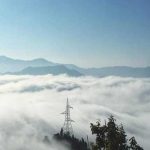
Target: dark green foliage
point(109, 136)
point(134, 145)
point(74, 143)
point(122, 138)
point(100, 132)
point(112, 137)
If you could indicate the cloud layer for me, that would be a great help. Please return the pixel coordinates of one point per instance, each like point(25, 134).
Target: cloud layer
point(30, 107)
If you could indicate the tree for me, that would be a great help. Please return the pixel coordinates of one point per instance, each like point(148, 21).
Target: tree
point(75, 144)
point(112, 137)
point(112, 134)
point(100, 132)
point(133, 144)
point(122, 138)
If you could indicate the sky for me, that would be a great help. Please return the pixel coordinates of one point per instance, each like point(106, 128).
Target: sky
point(88, 33)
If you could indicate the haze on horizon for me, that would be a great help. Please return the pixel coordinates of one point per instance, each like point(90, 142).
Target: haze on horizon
point(85, 33)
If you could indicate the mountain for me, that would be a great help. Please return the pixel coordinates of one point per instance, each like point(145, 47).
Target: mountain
point(55, 70)
point(14, 65)
point(123, 71)
point(43, 66)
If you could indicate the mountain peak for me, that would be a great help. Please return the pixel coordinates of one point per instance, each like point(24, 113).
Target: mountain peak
point(55, 70)
point(17, 65)
point(4, 57)
point(39, 59)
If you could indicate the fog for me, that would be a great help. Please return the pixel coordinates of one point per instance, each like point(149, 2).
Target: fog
point(31, 106)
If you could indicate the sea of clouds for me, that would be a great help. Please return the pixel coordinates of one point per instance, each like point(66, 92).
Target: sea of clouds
point(31, 106)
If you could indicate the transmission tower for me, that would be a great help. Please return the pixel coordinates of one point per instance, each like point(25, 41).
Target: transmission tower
point(67, 127)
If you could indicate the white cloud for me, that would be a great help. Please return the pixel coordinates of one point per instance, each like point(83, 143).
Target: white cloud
point(30, 107)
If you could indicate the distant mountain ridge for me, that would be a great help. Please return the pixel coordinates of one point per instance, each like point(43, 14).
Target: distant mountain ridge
point(13, 65)
point(123, 71)
point(42, 66)
point(55, 70)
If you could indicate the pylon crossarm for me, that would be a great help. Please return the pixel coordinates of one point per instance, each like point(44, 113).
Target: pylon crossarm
point(63, 112)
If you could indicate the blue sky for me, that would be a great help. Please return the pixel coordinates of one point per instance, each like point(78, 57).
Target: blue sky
point(83, 32)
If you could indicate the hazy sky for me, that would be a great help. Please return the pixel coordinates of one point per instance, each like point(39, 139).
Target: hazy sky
point(83, 32)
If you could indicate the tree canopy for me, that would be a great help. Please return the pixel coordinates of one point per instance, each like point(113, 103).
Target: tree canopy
point(111, 136)
point(74, 143)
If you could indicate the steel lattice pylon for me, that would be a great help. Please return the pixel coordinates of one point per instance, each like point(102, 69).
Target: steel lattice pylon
point(67, 127)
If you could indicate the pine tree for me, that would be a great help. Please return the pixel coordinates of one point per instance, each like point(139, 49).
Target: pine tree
point(122, 139)
point(133, 144)
point(112, 135)
point(100, 135)
point(75, 144)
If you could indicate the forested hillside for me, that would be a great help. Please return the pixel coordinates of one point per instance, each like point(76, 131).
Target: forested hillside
point(109, 136)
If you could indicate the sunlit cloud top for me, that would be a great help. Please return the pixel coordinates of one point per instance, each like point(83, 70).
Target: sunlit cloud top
point(30, 107)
